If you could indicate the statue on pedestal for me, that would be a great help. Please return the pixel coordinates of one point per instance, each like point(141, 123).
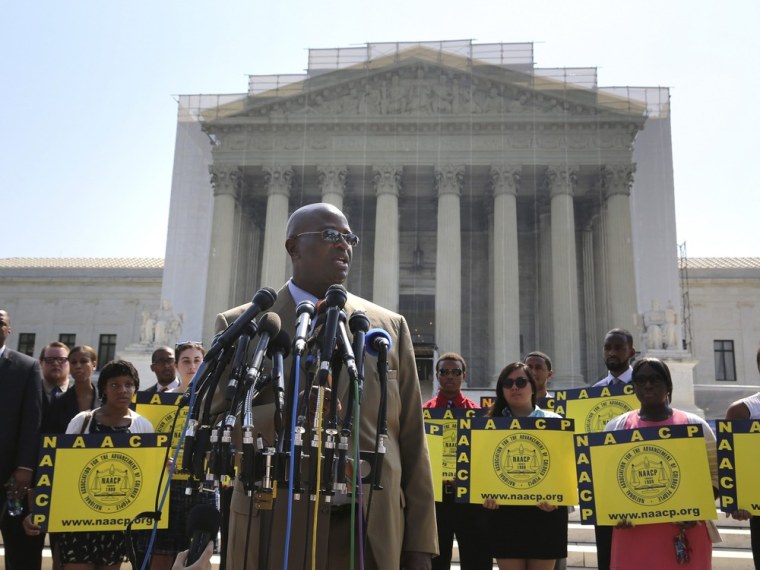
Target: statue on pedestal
point(672, 342)
point(161, 327)
point(148, 328)
point(654, 324)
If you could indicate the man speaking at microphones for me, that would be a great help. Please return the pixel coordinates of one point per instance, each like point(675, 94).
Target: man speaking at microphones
point(401, 529)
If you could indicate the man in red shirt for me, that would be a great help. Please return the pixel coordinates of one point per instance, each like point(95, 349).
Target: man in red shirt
point(466, 521)
point(451, 372)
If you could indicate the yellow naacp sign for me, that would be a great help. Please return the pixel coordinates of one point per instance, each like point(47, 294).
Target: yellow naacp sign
point(516, 461)
point(443, 423)
point(435, 449)
point(98, 481)
point(646, 475)
point(160, 410)
point(592, 408)
point(738, 465)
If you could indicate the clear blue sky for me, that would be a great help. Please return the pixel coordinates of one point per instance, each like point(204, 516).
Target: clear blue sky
point(88, 115)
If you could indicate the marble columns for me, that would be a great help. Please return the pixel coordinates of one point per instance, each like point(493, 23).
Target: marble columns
point(566, 358)
point(332, 181)
point(385, 283)
point(278, 181)
point(227, 184)
point(506, 280)
point(448, 268)
point(620, 271)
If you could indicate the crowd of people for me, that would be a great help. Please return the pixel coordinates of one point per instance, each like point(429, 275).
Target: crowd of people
point(406, 527)
point(57, 395)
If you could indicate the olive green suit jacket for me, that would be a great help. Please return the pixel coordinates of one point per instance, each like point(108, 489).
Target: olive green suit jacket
point(402, 515)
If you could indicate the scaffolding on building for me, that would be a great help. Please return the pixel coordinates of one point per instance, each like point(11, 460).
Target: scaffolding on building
point(683, 270)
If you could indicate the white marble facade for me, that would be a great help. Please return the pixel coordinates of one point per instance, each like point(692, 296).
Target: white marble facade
point(502, 208)
point(493, 199)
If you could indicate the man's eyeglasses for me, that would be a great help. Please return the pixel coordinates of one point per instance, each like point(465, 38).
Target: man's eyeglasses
point(453, 371)
point(55, 359)
point(333, 236)
point(519, 382)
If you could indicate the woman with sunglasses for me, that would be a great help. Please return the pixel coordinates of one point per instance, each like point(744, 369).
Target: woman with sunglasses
point(673, 545)
point(524, 537)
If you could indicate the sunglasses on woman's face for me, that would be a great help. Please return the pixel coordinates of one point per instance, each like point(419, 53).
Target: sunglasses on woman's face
point(519, 382)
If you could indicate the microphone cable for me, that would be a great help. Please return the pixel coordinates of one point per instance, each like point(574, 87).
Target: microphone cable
point(318, 436)
point(193, 384)
point(291, 466)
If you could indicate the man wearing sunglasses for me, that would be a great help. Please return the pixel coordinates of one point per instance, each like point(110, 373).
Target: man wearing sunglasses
point(451, 374)
point(54, 361)
point(401, 531)
point(465, 521)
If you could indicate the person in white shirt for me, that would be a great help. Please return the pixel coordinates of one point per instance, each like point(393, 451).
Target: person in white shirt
point(618, 351)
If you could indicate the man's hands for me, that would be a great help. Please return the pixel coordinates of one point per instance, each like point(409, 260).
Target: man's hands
point(22, 481)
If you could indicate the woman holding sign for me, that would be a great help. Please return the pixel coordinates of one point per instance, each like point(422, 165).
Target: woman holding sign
point(675, 545)
point(524, 537)
point(117, 384)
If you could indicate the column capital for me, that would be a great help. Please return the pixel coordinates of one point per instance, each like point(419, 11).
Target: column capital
point(226, 181)
point(449, 179)
point(505, 179)
point(387, 178)
point(278, 179)
point(616, 178)
point(332, 178)
point(560, 180)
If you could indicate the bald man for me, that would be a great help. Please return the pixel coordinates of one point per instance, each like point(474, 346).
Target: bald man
point(401, 527)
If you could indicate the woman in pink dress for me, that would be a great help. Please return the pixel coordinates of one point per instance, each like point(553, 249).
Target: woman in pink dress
point(656, 545)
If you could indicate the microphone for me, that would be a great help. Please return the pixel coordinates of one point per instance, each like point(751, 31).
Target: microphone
point(202, 526)
point(358, 324)
point(262, 300)
point(378, 344)
point(335, 298)
point(238, 362)
point(377, 339)
point(278, 350)
point(305, 311)
point(269, 325)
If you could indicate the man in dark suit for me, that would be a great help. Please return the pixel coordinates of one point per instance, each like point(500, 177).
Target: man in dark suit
point(164, 366)
point(401, 527)
point(20, 414)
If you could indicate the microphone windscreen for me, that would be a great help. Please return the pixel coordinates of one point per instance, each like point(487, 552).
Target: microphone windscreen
point(358, 322)
point(264, 298)
point(203, 518)
point(269, 323)
point(305, 307)
point(374, 338)
point(336, 296)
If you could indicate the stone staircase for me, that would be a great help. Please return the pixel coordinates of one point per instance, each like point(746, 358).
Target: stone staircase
point(734, 553)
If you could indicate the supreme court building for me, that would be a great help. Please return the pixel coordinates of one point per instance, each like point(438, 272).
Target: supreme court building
point(502, 207)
